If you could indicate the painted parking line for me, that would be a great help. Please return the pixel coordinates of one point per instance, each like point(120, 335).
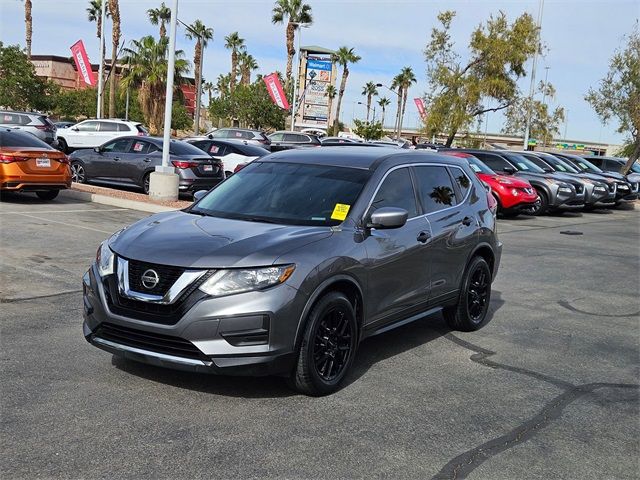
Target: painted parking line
point(73, 225)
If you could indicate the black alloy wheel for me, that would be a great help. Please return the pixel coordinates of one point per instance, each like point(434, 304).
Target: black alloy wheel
point(541, 205)
point(78, 174)
point(478, 293)
point(332, 344)
point(328, 346)
point(145, 183)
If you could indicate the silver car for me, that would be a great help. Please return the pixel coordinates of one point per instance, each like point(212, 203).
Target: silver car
point(34, 123)
point(288, 265)
point(255, 137)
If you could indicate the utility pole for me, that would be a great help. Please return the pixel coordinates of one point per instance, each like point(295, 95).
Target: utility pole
point(533, 76)
point(103, 17)
point(566, 124)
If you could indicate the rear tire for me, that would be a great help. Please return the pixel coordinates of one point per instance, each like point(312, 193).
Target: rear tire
point(227, 174)
point(145, 183)
point(62, 145)
point(48, 195)
point(328, 346)
point(470, 313)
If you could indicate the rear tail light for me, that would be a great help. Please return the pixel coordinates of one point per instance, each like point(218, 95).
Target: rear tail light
point(45, 128)
point(64, 159)
point(142, 134)
point(184, 164)
point(239, 167)
point(11, 159)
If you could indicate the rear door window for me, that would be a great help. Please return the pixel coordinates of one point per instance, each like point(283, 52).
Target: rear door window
point(108, 127)
point(218, 150)
point(396, 190)
point(435, 187)
point(277, 137)
point(139, 147)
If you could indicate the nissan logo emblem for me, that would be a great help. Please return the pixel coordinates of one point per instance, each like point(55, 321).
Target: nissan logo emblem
point(150, 279)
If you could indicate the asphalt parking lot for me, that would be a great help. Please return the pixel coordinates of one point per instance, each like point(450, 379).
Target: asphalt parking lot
point(548, 389)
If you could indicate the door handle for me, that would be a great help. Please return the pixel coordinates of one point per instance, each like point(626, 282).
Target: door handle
point(146, 160)
point(423, 237)
point(466, 221)
point(116, 158)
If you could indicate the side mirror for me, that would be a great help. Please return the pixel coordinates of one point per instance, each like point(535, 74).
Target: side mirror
point(97, 149)
point(199, 194)
point(548, 170)
point(388, 217)
point(509, 170)
point(75, 129)
point(210, 136)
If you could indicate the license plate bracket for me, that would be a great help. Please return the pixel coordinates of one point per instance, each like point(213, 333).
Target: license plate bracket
point(43, 162)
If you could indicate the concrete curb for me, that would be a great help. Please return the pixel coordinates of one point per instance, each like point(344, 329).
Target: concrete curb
point(115, 202)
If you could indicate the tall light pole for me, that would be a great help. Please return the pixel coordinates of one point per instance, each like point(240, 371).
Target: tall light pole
point(163, 183)
point(544, 99)
point(297, 79)
point(566, 124)
point(103, 19)
point(533, 76)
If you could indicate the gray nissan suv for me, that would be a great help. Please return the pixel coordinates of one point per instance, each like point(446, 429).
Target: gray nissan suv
point(285, 267)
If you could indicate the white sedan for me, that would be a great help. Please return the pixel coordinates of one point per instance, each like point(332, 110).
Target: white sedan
point(231, 152)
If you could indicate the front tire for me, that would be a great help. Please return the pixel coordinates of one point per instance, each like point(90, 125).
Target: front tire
point(541, 206)
point(48, 195)
point(145, 183)
point(473, 303)
point(62, 145)
point(78, 173)
point(328, 346)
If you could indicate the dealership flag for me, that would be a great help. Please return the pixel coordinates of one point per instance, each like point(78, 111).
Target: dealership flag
point(82, 63)
point(420, 105)
point(274, 87)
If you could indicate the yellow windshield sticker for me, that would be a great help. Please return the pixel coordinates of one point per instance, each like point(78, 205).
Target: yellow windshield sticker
point(340, 211)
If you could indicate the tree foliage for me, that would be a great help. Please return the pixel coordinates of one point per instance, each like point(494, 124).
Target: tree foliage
point(618, 95)
point(250, 104)
point(497, 53)
point(544, 123)
point(20, 88)
point(368, 130)
point(296, 12)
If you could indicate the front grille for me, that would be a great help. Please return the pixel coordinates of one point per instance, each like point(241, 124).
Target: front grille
point(612, 187)
point(167, 277)
point(579, 187)
point(167, 314)
point(154, 342)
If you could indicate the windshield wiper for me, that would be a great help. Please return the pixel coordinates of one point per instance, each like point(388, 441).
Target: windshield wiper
point(256, 219)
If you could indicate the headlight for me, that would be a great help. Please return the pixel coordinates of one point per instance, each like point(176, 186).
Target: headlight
point(104, 259)
point(229, 282)
point(514, 192)
point(599, 188)
point(565, 189)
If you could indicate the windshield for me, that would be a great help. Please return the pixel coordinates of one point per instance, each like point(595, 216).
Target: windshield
point(635, 167)
point(286, 193)
point(478, 167)
point(587, 166)
point(560, 165)
point(523, 164)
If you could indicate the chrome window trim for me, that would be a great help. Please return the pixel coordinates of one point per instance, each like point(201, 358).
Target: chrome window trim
point(180, 285)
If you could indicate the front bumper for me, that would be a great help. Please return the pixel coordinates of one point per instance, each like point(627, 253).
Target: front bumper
point(245, 334)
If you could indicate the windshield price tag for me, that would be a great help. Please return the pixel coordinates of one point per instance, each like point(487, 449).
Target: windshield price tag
point(340, 211)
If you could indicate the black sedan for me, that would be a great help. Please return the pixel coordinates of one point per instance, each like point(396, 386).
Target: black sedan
point(130, 161)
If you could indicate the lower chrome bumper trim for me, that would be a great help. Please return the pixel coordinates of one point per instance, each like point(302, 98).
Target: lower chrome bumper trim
point(148, 353)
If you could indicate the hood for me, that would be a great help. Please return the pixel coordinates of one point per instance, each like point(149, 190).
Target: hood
point(633, 177)
point(512, 180)
point(533, 175)
point(193, 241)
point(566, 177)
point(614, 175)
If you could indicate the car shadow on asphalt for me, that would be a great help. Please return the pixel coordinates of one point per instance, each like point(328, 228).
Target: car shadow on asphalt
point(407, 337)
point(25, 198)
point(371, 351)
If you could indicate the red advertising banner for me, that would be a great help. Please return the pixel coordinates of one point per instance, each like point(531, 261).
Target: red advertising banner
point(276, 92)
point(420, 105)
point(82, 63)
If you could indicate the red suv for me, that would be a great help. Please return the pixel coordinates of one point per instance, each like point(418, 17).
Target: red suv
point(514, 195)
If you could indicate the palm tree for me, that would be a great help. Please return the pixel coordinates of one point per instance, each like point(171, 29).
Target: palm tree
point(344, 56)
point(384, 102)
point(146, 71)
point(396, 83)
point(297, 13)
point(28, 23)
point(202, 34)
point(408, 79)
point(330, 92)
point(160, 15)
point(369, 91)
point(208, 87)
point(246, 64)
point(234, 43)
point(222, 84)
point(114, 9)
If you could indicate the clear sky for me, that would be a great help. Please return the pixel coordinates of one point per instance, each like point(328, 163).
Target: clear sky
point(388, 34)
